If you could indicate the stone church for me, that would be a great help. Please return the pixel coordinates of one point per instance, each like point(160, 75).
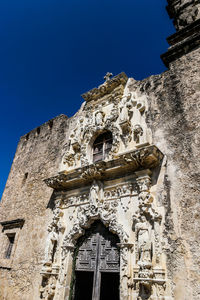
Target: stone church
point(104, 205)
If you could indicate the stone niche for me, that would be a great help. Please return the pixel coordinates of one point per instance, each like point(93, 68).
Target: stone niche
point(118, 190)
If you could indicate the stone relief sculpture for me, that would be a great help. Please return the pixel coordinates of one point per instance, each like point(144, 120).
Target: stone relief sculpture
point(95, 195)
point(51, 244)
point(99, 118)
point(124, 109)
point(47, 291)
point(143, 234)
point(145, 222)
point(112, 117)
point(137, 132)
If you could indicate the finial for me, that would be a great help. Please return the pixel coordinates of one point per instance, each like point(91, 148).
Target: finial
point(107, 76)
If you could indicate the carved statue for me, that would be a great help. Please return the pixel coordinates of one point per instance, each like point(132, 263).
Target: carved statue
point(143, 234)
point(99, 118)
point(124, 109)
point(138, 131)
point(95, 193)
point(52, 240)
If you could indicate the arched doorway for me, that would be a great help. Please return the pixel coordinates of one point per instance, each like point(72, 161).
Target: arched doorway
point(96, 265)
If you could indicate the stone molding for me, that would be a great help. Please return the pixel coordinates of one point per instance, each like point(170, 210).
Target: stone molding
point(182, 42)
point(183, 12)
point(143, 158)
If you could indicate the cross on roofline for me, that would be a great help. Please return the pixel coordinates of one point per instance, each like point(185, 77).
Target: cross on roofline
point(107, 76)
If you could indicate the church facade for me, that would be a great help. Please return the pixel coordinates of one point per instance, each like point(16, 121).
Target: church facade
point(104, 205)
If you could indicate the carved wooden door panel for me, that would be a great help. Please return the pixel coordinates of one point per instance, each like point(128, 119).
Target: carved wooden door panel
point(98, 253)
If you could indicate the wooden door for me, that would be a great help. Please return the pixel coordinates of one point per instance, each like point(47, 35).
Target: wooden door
point(98, 256)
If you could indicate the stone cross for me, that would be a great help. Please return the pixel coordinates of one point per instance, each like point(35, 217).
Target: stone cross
point(107, 76)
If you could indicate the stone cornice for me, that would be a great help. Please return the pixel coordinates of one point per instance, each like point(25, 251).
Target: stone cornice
point(182, 42)
point(126, 163)
point(106, 88)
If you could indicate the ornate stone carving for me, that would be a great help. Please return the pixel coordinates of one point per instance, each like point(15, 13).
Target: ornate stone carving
point(112, 117)
point(143, 235)
point(96, 193)
point(146, 157)
point(76, 200)
point(146, 204)
point(105, 211)
point(137, 132)
point(94, 171)
point(99, 118)
point(51, 244)
point(124, 108)
point(144, 225)
point(47, 290)
point(107, 87)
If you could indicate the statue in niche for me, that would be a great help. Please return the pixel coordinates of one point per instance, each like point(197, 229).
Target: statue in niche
point(51, 246)
point(95, 193)
point(138, 132)
point(143, 234)
point(99, 118)
point(124, 107)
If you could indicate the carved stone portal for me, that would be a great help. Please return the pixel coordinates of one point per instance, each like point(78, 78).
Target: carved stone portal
point(96, 257)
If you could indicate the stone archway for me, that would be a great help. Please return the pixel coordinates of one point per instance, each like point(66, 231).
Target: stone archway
point(86, 216)
point(96, 265)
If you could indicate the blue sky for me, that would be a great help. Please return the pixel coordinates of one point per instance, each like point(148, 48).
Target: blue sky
point(52, 51)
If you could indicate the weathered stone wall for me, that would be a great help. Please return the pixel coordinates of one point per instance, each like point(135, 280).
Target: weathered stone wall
point(174, 119)
point(27, 197)
point(184, 12)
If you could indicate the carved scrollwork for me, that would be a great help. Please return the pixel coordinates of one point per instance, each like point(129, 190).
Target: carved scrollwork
point(105, 211)
point(93, 171)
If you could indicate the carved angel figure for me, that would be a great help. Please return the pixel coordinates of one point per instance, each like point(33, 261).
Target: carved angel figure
point(143, 234)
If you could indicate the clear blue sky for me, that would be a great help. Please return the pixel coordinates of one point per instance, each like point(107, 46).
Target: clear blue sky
point(52, 51)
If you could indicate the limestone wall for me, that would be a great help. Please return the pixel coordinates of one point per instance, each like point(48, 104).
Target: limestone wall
point(174, 119)
point(27, 197)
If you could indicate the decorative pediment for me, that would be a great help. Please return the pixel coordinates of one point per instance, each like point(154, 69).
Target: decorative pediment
point(124, 117)
point(106, 88)
point(143, 158)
